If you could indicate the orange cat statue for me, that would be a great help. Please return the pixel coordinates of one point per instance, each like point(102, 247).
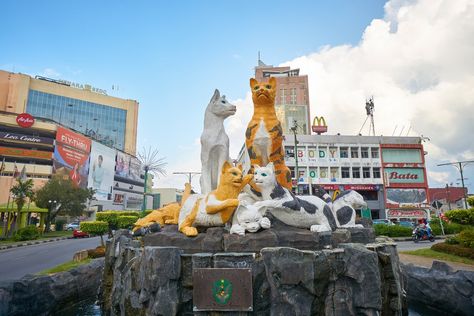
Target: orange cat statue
point(264, 135)
point(217, 207)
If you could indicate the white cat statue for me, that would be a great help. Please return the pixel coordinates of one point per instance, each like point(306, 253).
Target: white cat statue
point(248, 218)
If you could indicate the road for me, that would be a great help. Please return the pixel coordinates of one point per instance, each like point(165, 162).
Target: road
point(410, 245)
point(16, 262)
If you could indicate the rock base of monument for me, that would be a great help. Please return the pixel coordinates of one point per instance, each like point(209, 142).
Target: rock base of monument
point(299, 277)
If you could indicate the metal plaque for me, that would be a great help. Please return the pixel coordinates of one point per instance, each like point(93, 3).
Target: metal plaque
point(222, 290)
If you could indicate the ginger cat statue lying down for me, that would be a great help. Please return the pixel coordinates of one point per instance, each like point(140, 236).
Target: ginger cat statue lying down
point(217, 207)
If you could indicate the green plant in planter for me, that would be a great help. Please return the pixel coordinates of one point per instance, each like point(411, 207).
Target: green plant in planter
point(95, 228)
point(26, 233)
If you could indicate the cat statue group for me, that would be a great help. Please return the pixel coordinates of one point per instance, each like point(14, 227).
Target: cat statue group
point(307, 211)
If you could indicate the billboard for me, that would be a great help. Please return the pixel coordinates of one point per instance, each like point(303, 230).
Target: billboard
point(406, 196)
point(27, 139)
point(71, 156)
point(28, 153)
point(135, 169)
point(122, 166)
point(101, 171)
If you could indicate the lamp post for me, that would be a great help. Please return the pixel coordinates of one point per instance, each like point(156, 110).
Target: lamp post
point(438, 212)
point(460, 166)
point(294, 129)
point(51, 203)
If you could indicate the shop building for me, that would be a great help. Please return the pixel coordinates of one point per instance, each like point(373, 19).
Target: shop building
point(292, 97)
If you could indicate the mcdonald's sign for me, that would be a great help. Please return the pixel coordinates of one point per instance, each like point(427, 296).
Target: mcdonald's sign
point(319, 125)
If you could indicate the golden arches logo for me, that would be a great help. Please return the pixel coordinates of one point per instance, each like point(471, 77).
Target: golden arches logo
point(319, 121)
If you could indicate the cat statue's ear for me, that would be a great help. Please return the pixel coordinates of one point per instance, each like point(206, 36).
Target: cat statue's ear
point(253, 82)
point(226, 166)
point(216, 96)
point(271, 166)
point(272, 81)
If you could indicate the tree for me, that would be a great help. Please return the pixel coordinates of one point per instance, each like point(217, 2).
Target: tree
point(70, 200)
point(21, 191)
point(95, 228)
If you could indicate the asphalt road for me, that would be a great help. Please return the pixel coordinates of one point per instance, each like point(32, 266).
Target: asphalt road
point(16, 262)
point(410, 245)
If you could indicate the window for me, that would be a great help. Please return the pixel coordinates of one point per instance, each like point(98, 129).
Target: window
point(366, 172)
point(289, 152)
point(345, 172)
point(292, 170)
point(323, 172)
point(334, 173)
point(356, 172)
point(282, 96)
point(344, 152)
point(376, 173)
point(354, 152)
point(293, 96)
point(364, 152)
point(374, 152)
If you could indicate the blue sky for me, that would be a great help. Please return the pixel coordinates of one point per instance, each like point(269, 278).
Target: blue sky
point(171, 55)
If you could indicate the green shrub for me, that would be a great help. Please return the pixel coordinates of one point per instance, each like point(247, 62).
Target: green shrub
point(126, 222)
point(457, 250)
point(110, 217)
point(464, 217)
point(26, 233)
point(470, 201)
point(452, 240)
point(392, 230)
point(466, 238)
point(59, 224)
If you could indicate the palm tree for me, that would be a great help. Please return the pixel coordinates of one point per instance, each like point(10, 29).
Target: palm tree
point(21, 191)
point(151, 163)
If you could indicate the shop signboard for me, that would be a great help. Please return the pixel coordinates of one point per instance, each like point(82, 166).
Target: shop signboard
point(406, 196)
point(26, 139)
point(101, 171)
point(25, 120)
point(407, 213)
point(71, 156)
point(361, 187)
point(27, 153)
point(404, 175)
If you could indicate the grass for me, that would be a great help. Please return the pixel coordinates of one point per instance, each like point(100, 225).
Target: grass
point(438, 255)
point(64, 267)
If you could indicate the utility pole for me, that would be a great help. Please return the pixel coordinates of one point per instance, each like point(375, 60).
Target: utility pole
point(188, 173)
point(460, 166)
point(294, 130)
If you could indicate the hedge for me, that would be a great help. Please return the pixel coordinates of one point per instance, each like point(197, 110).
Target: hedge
point(464, 239)
point(464, 217)
point(392, 230)
point(26, 233)
point(95, 228)
point(126, 222)
point(457, 250)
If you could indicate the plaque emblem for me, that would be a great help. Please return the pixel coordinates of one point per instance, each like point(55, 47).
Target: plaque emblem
point(222, 291)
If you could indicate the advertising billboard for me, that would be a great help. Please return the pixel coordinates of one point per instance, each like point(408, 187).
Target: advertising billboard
point(28, 153)
point(102, 169)
point(25, 139)
point(71, 156)
point(122, 166)
point(135, 169)
point(406, 196)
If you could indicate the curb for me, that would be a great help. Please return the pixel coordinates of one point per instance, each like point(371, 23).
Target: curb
point(33, 242)
point(410, 239)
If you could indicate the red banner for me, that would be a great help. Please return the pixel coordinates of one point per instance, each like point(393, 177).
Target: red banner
point(74, 140)
point(330, 187)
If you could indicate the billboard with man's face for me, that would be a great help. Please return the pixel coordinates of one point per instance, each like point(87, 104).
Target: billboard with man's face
point(101, 170)
point(71, 156)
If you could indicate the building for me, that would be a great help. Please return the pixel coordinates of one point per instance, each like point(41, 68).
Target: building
point(448, 198)
point(54, 127)
point(165, 196)
point(292, 97)
point(389, 172)
point(85, 109)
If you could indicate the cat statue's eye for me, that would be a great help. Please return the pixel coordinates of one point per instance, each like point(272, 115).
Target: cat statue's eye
point(223, 102)
point(256, 87)
point(268, 86)
point(234, 173)
point(264, 174)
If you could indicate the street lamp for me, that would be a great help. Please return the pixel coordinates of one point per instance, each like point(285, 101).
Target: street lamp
point(460, 166)
point(51, 203)
point(294, 129)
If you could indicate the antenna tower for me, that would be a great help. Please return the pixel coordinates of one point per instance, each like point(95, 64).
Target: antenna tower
point(369, 109)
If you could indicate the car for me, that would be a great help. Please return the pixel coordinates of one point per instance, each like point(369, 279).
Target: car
point(79, 234)
point(407, 224)
point(73, 226)
point(382, 221)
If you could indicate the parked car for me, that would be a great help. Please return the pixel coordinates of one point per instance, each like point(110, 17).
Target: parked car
point(382, 221)
point(79, 234)
point(72, 226)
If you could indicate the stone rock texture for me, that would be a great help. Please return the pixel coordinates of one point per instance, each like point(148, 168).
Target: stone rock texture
point(43, 295)
point(352, 279)
point(217, 239)
point(440, 288)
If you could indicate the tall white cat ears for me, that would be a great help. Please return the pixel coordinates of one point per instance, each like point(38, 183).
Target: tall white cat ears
point(216, 95)
point(271, 166)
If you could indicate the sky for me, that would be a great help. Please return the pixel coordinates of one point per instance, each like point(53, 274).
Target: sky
point(413, 56)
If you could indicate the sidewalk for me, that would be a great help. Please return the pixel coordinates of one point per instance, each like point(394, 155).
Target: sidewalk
point(427, 262)
point(31, 242)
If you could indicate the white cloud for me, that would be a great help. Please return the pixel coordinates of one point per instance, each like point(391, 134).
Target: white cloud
point(417, 63)
point(51, 73)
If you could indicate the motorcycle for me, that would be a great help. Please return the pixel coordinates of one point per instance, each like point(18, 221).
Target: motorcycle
point(422, 234)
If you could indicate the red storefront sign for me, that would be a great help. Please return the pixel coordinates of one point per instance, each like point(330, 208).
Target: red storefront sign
point(330, 187)
point(25, 120)
point(361, 187)
point(406, 213)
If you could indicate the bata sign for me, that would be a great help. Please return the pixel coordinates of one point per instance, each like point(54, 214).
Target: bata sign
point(25, 120)
point(405, 175)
